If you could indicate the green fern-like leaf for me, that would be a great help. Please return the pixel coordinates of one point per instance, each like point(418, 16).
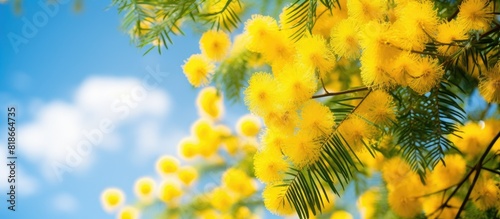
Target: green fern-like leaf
point(231, 76)
point(226, 18)
point(302, 13)
point(425, 121)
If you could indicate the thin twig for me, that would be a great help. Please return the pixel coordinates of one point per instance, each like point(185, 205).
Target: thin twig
point(323, 85)
point(340, 92)
point(454, 14)
point(491, 170)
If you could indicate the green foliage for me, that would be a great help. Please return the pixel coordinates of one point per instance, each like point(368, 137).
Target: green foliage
point(424, 123)
point(335, 168)
point(153, 22)
point(303, 15)
point(226, 18)
point(306, 187)
point(232, 74)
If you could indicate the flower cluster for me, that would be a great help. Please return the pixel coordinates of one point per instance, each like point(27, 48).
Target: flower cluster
point(212, 148)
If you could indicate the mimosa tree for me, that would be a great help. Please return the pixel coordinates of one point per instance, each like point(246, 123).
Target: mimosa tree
point(398, 95)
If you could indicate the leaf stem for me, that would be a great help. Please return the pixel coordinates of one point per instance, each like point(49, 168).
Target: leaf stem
point(340, 92)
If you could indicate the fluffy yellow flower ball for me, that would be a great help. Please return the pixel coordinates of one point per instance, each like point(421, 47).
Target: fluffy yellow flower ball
point(449, 173)
point(260, 95)
point(221, 199)
point(128, 212)
point(269, 165)
point(489, 85)
point(404, 202)
point(188, 147)
point(248, 125)
point(169, 191)
point(275, 200)
point(317, 119)
point(187, 175)
point(486, 194)
point(476, 14)
point(302, 149)
point(144, 188)
point(210, 103)
point(314, 53)
point(367, 202)
point(198, 70)
point(239, 182)
point(297, 83)
point(470, 142)
point(166, 165)
point(427, 75)
point(260, 30)
point(112, 198)
point(344, 39)
point(215, 44)
point(341, 215)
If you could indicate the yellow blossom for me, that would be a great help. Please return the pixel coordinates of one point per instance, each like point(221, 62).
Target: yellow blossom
point(327, 19)
point(314, 53)
point(239, 182)
point(260, 29)
point(317, 119)
point(215, 44)
point(269, 165)
point(470, 142)
point(275, 200)
point(221, 199)
point(298, 84)
point(188, 147)
point(260, 94)
point(210, 103)
point(187, 175)
point(302, 149)
point(144, 188)
point(449, 173)
point(367, 202)
point(476, 14)
point(344, 39)
point(404, 202)
point(355, 130)
point(427, 75)
point(248, 125)
point(112, 198)
point(128, 212)
point(168, 191)
point(489, 85)
point(341, 215)
point(448, 32)
point(273, 139)
point(366, 10)
point(486, 194)
point(167, 165)
point(379, 108)
point(198, 70)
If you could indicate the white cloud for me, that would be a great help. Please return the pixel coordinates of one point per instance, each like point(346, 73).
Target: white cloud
point(65, 203)
point(63, 136)
point(27, 185)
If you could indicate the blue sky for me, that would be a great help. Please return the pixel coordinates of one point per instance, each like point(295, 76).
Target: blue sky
point(63, 82)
